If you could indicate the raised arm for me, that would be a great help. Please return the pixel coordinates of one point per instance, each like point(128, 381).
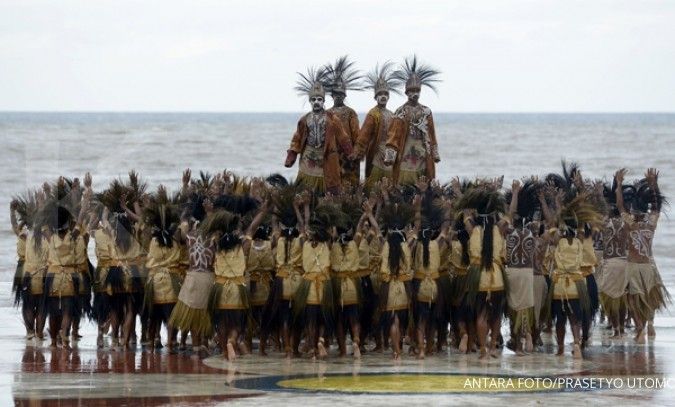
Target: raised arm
point(513, 207)
point(257, 220)
point(618, 180)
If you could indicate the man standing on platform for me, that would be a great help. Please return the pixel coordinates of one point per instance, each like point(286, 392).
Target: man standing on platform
point(319, 139)
point(343, 76)
point(411, 146)
point(373, 135)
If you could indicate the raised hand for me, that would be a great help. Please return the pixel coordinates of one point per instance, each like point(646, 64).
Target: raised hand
point(652, 176)
point(87, 180)
point(619, 175)
point(187, 176)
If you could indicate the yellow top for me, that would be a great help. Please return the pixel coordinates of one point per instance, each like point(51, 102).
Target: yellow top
point(21, 248)
point(345, 260)
point(434, 260)
point(102, 241)
point(588, 259)
point(456, 255)
point(35, 260)
point(81, 251)
point(375, 254)
point(568, 256)
point(230, 263)
point(135, 250)
point(61, 252)
point(294, 255)
point(163, 257)
point(260, 257)
point(397, 297)
point(404, 268)
point(364, 254)
point(476, 246)
point(316, 266)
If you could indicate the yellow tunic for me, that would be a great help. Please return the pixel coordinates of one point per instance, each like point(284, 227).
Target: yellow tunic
point(134, 256)
point(455, 258)
point(374, 261)
point(20, 249)
point(316, 267)
point(568, 258)
point(428, 289)
point(82, 261)
point(230, 268)
point(259, 266)
point(397, 297)
point(62, 265)
point(345, 264)
point(290, 270)
point(163, 265)
point(490, 280)
point(102, 250)
point(35, 263)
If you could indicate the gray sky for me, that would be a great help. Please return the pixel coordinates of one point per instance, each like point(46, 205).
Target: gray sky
point(497, 55)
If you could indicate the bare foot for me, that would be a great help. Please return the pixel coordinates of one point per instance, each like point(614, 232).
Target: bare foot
point(640, 338)
point(421, 354)
point(577, 352)
point(397, 356)
point(528, 343)
point(483, 354)
point(463, 343)
point(561, 351)
point(651, 332)
point(231, 355)
point(357, 352)
point(322, 349)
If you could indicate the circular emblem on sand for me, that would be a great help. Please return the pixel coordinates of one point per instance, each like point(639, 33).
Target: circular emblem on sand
point(401, 383)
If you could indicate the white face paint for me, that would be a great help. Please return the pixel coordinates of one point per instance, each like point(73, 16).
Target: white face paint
point(382, 98)
point(317, 103)
point(413, 95)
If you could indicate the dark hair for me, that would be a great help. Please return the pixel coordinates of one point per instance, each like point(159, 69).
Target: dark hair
point(425, 238)
point(123, 227)
point(164, 236)
point(395, 252)
point(228, 241)
point(290, 234)
point(487, 223)
point(262, 232)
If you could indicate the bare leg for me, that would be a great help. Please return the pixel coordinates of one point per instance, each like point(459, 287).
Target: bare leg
point(482, 331)
point(395, 336)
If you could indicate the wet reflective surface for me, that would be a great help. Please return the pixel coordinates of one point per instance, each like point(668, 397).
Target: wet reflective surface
point(33, 374)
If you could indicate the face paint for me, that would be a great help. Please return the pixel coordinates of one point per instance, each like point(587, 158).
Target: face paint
point(317, 103)
point(338, 99)
point(382, 98)
point(413, 95)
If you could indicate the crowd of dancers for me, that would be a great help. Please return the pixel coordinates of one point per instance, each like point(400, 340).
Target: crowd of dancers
point(235, 263)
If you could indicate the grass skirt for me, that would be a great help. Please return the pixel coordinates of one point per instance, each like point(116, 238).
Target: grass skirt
point(327, 307)
point(197, 321)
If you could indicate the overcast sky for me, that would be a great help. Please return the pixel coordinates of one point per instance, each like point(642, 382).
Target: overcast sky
point(498, 55)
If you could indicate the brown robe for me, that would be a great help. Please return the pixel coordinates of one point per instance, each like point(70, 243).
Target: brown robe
point(350, 125)
point(370, 137)
point(336, 140)
point(398, 134)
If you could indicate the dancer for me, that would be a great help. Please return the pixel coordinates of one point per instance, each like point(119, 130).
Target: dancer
point(342, 76)
point(319, 138)
point(411, 144)
point(396, 270)
point(646, 293)
point(32, 261)
point(372, 138)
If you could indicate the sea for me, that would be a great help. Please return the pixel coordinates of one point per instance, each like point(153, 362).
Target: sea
point(38, 147)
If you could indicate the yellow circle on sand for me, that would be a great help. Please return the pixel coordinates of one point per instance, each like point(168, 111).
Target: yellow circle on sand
point(418, 383)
